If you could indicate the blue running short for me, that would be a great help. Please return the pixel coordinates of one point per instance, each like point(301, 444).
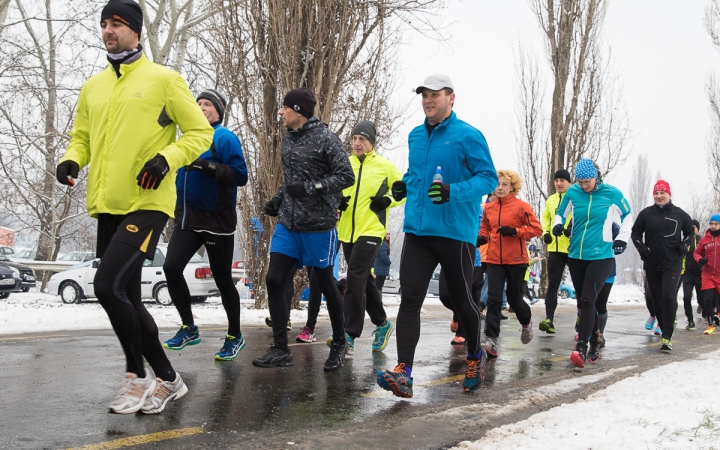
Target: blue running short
point(309, 248)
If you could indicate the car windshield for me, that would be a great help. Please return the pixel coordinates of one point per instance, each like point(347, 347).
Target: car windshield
point(73, 256)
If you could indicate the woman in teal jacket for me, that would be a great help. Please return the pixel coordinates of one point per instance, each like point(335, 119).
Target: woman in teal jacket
point(594, 206)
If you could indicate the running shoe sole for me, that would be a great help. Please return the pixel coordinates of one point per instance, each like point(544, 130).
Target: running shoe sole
point(386, 381)
point(544, 326)
point(193, 342)
point(307, 341)
point(385, 341)
point(139, 405)
point(171, 398)
point(577, 360)
point(276, 364)
point(230, 358)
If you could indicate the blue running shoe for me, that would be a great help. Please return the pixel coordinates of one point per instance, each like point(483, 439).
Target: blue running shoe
point(475, 373)
point(650, 323)
point(396, 381)
point(382, 335)
point(231, 348)
point(658, 331)
point(185, 336)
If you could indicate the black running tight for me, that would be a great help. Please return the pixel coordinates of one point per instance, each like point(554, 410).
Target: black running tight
point(588, 277)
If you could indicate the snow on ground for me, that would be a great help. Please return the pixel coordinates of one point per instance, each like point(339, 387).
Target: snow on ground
point(652, 410)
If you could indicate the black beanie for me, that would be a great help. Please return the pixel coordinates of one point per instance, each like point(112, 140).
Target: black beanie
point(216, 98)
point(366, 129)
point(301, 100)
point(126, 11)
point(563, 174)
point(696, 223)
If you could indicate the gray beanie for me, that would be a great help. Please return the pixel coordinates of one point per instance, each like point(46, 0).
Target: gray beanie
point(366, 129)
point(216, 98)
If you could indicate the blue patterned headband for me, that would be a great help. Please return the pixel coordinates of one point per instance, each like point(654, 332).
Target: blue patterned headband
point(585, 169)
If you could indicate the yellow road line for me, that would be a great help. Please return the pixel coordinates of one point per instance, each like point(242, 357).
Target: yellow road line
point(33, 337)
point(557, 359)
point(142, 439)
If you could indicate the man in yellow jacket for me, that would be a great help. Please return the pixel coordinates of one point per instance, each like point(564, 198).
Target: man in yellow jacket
point(557, 247)
point(125, 129)
point(361, 229)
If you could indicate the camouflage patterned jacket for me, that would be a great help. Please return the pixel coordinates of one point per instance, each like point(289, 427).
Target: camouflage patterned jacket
point(312, 154)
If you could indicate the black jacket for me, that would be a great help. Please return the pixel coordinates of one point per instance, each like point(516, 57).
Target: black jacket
point(311, 154)
point(664, 231)
point(691, 266)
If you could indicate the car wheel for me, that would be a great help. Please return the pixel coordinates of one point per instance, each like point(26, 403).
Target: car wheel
point(564, 294)
point(70, 292)
point(162, 295)
point(199, 299)
point(4, 295)
point(26, 289)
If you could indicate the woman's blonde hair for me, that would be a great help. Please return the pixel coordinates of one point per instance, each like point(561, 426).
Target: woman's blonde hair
point(514, 177)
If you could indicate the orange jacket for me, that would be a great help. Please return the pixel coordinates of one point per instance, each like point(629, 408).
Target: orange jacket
point(509, 212)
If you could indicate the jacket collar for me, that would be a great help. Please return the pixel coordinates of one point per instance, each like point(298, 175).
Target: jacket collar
point(127, 68)
point(444, 123)
point(667, 207)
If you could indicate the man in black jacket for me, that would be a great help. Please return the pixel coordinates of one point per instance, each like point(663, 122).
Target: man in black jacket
point(692, 277)
point(316, 169)
point(662, 250)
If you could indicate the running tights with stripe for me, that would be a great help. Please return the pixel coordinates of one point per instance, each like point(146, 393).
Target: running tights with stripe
point(588, 277)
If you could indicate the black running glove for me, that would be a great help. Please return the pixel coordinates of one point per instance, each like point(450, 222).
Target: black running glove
point(378, 204)
point(399, 190)
point(547, 238)
point(703, 261)
point(568, 231)
point(481, 240)
point(644, 253)
point(153, 172)
point(203, 164)
point(557, 230)
point(439, 193)
point(65, 170)
point(296, 190)
point(507, 231)
point(273, 206)
point(344, 203)
point(619, 247)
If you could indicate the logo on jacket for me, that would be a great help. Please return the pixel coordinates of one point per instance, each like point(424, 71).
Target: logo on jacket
point(132, 228)
point(138, 94)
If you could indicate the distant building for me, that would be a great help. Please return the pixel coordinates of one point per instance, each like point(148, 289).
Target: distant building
point(7, 237)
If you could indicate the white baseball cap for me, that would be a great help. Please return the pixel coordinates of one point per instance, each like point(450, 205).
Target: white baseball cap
point(435, 83)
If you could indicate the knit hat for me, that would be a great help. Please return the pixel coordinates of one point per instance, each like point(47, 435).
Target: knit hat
point(301, 100)
point(662, 185)
point(562, 174)
point(696, 224)
point(216, 98)
point(715, 218)
point(585, 169)
point(126, 11)
point(366, 129)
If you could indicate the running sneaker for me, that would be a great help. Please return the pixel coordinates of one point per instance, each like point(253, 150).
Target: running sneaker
point(527, 333)
point(710, 330)
point(600, 340)
point(132, 394)
point(547, 326)
point(665, 344)
point(184, 336)
point(690, 326)
point(510, 310)
point(503, 316)
point(475, 373)
point(593, 353)
point(336, 359)
point(165, 391)
point(458, 340)
point(453, 325)
point(230, 348)
point(650, 323)
point(534, 300)
point(579, 356)
point(350, 345)
point(306, 335)
point(268, 322)
point(658, 331)
point(716, 320)
point(490, 345)
point(382, 336)
point(699, 309)
point(396, 381)
point(275, 357)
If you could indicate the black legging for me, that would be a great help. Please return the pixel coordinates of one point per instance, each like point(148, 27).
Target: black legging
point(601, 308)
point(118, 288)
point(588, 277)
point(361, 295)
point(498, 276)
point(182, 247)
point(280, 266)
point(690, 281)
point(663, 285)
point(556, 263)
point(444, 294)
point(379, 283)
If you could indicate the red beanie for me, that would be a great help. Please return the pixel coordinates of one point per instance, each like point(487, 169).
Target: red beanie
point(662, 185)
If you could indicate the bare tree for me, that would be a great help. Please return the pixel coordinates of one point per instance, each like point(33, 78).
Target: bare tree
point(712, 25)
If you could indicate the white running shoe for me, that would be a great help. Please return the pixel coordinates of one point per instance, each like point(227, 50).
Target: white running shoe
point(527, 334)
point(132, 394)
point(165, 391)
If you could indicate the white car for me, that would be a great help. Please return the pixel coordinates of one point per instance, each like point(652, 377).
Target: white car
point(76, 283)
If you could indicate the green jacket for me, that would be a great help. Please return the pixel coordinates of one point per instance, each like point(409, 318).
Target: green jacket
point(121, 123)
point(562, 243)
point(374, 176)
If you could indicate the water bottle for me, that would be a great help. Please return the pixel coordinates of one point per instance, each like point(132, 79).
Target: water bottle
point(437, 178)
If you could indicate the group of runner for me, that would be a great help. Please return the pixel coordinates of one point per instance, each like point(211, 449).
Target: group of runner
point(126, 131)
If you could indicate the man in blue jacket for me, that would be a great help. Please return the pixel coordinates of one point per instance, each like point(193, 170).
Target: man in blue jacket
point(449, 170)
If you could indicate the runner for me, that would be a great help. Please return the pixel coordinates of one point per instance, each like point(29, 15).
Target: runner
point(601, 317)
point(706, 255)
point(449, 170)
point(557, 247)
point(131, 148)
point(507, 224)
point(205, 215)
point(594, 205)
point(382, 264)
point(315, 169)
point(660, 234)
point(691, 277)
point(361, 229)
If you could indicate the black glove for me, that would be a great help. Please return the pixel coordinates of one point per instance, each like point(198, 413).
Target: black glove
point(344, 203)
point(547, 238)
point(399, 190)
point(507, 231)
point(65, 170)
point(439, 193)
point(153, 172)
point(273, 206)
point(481, 240)
point(644, 253)
point(378, 204)
point(568, 231)
point(619, 247)
point(296, 190)
point(557, 230)
point(681, 250)
point(703, 261)
point(203, 164)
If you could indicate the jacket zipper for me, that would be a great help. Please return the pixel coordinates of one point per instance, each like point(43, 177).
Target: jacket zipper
point(500, 236)
point(557, 238)
point(357, 191)
point(582, 241)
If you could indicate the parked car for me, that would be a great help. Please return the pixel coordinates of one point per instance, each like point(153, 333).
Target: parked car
point(434, 286)
point(25, 254)
point(238, 271)
point(4, 250)
point(25, 274)
point(392, 283)
point(8, 282)
point(77, 256)
point(76, 283)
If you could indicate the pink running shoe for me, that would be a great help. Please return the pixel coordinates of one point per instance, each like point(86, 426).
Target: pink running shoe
point(307, 335)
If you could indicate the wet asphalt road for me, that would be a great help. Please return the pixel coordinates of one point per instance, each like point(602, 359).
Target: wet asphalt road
point(54, 388)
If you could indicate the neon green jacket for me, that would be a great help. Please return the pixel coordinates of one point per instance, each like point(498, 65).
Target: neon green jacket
point(374, 176)
point(121, 123)
point(562, 243)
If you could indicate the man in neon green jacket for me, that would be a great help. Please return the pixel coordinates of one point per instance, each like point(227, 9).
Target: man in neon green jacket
point(557, 248)
point(125, 128)
point(361, 229)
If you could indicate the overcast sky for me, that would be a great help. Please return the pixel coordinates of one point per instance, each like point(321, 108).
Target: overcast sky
point(660, 51)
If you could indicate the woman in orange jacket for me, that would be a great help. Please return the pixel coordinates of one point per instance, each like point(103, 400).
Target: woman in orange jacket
point(507, 224)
